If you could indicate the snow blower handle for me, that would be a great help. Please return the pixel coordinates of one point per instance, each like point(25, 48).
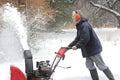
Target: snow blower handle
point(67, 47)
point(59, 55)
point(62, 51)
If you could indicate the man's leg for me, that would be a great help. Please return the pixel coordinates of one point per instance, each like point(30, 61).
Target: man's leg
point(92, 69)
point(101, 65)
point(109, 74)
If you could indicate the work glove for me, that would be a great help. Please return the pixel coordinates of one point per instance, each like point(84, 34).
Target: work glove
point(74, 48)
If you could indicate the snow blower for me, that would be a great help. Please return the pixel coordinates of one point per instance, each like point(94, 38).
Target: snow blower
point(44, 70)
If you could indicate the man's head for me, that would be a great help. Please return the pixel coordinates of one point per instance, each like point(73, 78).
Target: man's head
point(76, 16)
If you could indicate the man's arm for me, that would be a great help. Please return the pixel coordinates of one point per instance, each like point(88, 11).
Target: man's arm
point(84, 36)
point(73, 42)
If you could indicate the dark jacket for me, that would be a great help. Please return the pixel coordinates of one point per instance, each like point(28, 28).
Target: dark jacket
point(86, 39)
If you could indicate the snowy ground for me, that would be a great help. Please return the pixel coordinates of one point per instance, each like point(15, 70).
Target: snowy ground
point(46, 50)
point(46, 43)
point(74, 59)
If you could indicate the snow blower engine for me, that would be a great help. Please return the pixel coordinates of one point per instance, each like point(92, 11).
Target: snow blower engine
point(44, 69)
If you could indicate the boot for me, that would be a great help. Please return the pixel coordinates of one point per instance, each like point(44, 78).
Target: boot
point(94, 74)
point(109, 74)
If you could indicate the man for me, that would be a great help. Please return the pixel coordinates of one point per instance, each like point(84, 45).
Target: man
point(90, 45)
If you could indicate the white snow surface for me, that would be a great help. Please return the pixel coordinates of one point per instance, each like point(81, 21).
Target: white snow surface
point(13, 40)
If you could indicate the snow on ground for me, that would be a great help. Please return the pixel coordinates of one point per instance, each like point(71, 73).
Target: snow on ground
point(74, 59)
point(12, 45)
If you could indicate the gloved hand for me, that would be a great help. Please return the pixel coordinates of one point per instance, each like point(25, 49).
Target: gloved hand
point(74, 48)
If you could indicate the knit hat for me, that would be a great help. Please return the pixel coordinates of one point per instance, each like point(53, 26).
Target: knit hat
point(76, 16)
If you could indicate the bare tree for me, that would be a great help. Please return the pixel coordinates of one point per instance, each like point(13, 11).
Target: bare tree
point(109, 9)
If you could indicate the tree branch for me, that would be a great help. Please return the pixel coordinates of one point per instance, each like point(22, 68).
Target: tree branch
point(108, 3)
point(116, 14)
point(105, 9)
point(114, 3)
